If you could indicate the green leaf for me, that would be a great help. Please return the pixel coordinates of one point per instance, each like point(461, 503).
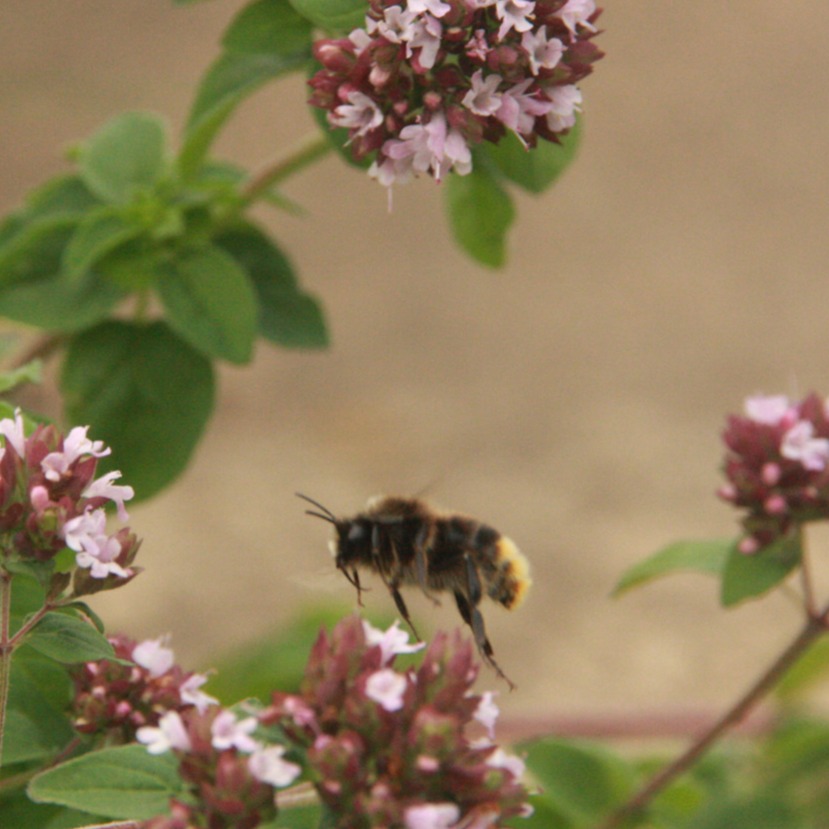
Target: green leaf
point(32, 372)
point(124, 156)
point(61, 196)
point(287, 316)
point(39, 694)
point(697, 556)
point(537, 168)
point(333, 15)
point(99, 233)
point(35, 291)
point(211, 304)
point(266, 40)
point(68, 639)
point(20, 813)
point(480, 213)
point(582, 781)
point(126, 782)
point(268, 27)
point(145, 392)
point(764, 811)
point(750, 576)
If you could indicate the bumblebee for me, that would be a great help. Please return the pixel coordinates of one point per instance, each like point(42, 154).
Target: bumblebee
point(406, 542)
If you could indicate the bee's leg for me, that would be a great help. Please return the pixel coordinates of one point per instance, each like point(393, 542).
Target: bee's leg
point(422, 563)
point(404, 611)
point(468, 608)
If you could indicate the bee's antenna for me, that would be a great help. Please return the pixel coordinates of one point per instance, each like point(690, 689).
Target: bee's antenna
point(328, 516)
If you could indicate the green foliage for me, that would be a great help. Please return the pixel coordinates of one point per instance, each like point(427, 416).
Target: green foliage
point(697, 556)
point(267, 39)
point(750, 576)
point(480, 214)
point(123, 782)
point(334, 16)
point(66, 638)
point(580, 782)
point(140, 386)
point(31, 372)
point(534, 169)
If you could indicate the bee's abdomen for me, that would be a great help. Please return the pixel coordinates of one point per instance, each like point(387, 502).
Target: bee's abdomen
point(509, 580)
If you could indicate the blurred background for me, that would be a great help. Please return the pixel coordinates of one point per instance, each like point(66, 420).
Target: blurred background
point(574, 399)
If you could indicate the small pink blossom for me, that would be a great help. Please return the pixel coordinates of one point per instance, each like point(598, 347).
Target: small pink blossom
point(360, 114)
point(104, 487)
point(543, 53)
point(396, 25)
point(800, 444)
point(269, 766)
point(477, 47)
point(191, 695)
point(483, 97)
point(95, 550)
point(514, 14)
point(434, 7)
point(499, 759)
point(767, 409)
point(577, 13)
point(519, 109)
point(425, 34)
point(154, 655)
point(487, 713)
point(56, 464)
point(170, 733)
point(392, 642)
point(386, 687)
point(13, 431)
point(432, 816)
point(229, 732)
point(566, 102)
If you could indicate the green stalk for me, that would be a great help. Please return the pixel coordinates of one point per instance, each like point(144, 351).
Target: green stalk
point(308, 150)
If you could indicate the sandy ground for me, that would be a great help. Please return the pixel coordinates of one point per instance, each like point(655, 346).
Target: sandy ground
point(573, 400)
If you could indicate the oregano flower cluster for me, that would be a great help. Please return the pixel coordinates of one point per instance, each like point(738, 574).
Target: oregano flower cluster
point(113, 699)
point(426, 80)
point(388, 747)
point(51, 501)
point(777, 466)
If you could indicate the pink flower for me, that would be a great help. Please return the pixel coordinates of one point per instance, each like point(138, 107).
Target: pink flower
point(191, 695)
point(565, 102)
point(487, 713)
point(386, 687)
point(483, 97)
point(434, 7)
point(432, 816)
point(95, 550)
point(229, 732)
point(800, 444)
point(169, 733)
point(769, 410)
point(392, 642)
point(154, 655)
point(543, 53)
point(13, 432)
point(425, 35)
point(514, 14)
point(104, 487)
point(56, 464)
point(577, 13)
point(360, 114)
point(268, 765)
point(519, 109)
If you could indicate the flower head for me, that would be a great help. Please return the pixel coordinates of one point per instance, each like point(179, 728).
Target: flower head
point(116, 700)
point(388, 747)
point(426, 80)
point(777, 466)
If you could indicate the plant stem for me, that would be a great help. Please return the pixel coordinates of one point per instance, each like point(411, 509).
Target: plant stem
point(816, 625)
point(6, 649)
point(306, 151)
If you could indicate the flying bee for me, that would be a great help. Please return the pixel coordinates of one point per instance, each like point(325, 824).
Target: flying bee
point(406, 542)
